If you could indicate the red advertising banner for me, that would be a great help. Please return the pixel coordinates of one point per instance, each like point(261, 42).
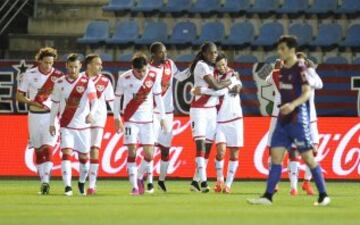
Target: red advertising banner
point(339, 150)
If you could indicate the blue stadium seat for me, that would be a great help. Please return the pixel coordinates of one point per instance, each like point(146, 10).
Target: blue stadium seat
point(245, 59)
point(185, 58)
point(148, 5)
point(240, 34)
point(302, 31)
point(154, 31)
point(96, 32)
point(269, 34)
point(125, 32)
point(264, 6)
point(336, 60)
point(322, 7)
point(234, 6)
point(271, 59)
point(126, 57)
point(205, 6)
point(212, 31)
point(183, 33)
point(352, 38)
point(329, 35)
point(293, 6)
point(177, 6)
point(356, 61)
point(348, 7)
point(119, 5)
point(106, 57)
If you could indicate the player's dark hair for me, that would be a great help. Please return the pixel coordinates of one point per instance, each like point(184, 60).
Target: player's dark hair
point(139, 60)
point(154, 47)
point(220, 57)
point(301, 55)
point(200, 55)
point(290, 41)
point(72, 57)
point(46, 52)
point(89, 58)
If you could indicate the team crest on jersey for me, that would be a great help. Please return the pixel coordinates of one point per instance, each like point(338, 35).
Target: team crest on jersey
point(149, 83)
point(80, 89)
point(167, 71)
point(100, 87)
point(53, 78)
point(152, 74)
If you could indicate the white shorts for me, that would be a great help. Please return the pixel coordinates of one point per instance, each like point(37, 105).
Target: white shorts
point(231, 133)
point(39, 124)
point(161, 137)
point(142, 133)
point(78, 140)
point(203, 123)
point(96, 136)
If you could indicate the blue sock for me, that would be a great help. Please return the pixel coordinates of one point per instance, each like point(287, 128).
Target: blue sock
point(274, 178)
point(319, 179)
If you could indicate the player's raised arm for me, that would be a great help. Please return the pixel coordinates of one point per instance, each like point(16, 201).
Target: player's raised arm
point(180, 75)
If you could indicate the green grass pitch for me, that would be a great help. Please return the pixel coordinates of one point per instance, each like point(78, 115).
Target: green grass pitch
point(20, 204)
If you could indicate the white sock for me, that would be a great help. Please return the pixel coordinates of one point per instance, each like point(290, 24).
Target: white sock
point(93, 172)
point(196, 174)
point(219, 165)
point(163, 169)
point(201, 168)
point(47, 166)
point(307, 174)
point(84, 171)
point(132, 172)
point(66, 172)
point(142, 169)
point(149, 171)
point(232, 168)
point(293, 174)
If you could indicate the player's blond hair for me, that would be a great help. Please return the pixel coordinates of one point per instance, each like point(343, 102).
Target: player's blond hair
point(46, 52)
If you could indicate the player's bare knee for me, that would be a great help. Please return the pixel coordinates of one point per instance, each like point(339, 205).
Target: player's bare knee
point(234, 154)
point(94, 153)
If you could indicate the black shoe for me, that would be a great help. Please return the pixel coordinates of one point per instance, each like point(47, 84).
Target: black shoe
point(68, 191)
point(205, 187)
point(162, 186)
point(194, 186)
point(150, 188)
point(81, 187)
point(45, 189)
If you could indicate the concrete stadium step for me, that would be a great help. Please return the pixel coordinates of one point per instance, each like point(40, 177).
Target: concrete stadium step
point(84, 2)
point(57, 26)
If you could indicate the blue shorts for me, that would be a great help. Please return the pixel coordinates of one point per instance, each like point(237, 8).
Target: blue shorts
point(286, 134)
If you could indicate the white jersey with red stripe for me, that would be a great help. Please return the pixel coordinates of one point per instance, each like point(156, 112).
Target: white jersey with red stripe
point(105, 93)
point(39, 85)
point(168, 71)
point(229, 107)
point(201, 70)
point(74, 97)
point(128, 85)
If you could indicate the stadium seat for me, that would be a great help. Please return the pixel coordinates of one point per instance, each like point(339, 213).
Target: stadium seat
point(106, 57)
point(336, 60)
point(96, 32)
point(352, 38)
point(126, 57)
point(185, 58)
point(234, 6)
point(264, 6)
point(293, 6)
point(245, 59)
point(148, 5)
point(212, 31)
point(119, 5)
point(240, 34)
point(154, 31)
point(125, 32)
point(322, 7)
point(177, 6)
point(356, 61)
point(271, 59)
point(205, 6)
point(329, 35)
point(302, 31)
point(269, 34)
point(348, 7)
point(183, 33)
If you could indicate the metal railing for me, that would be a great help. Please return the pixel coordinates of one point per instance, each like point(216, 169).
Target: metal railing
point(8, 11)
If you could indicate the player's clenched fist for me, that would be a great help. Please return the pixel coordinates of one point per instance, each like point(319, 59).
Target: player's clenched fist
point(287, 108)
point(89, 119)
point(52, 130)
point(119, 126)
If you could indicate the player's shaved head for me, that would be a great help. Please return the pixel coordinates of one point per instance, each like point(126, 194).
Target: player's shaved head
point(158, 52)
point(156, 46)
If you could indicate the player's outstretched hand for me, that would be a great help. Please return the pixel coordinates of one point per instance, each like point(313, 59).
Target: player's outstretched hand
point(119, 126)
point(89, 119)
point(287, 108)
point(196, 91)
point(164, 126)
point(52, 130)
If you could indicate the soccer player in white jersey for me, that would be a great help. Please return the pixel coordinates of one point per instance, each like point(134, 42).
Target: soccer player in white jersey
point(34, 89)
point(139, 87)
point(74, 99)
point(229, 130)
point(105, 94)
point(168, 71)
point(203, 111)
